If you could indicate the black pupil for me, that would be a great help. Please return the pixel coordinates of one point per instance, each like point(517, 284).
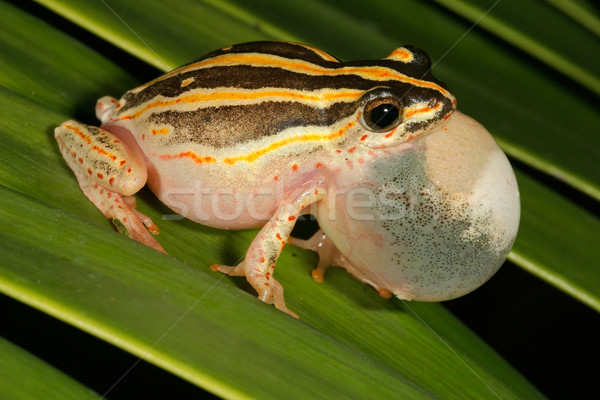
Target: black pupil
point(384, 115)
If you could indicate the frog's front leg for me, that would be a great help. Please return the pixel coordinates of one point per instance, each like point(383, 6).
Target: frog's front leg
point(106, 170)
point(266, 247)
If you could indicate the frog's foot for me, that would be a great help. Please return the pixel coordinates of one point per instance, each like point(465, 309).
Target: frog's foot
point(150, 225)
point(324, 247)
point(128, 221)
point(106, 170)
point(329, 255)
point(133, 224)
point(269, 290)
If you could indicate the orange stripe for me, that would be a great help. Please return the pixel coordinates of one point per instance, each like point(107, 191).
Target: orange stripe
point(89, 140)
point(79, 133)
point(250, 95)
point(401, 54)
point(189, 154)
point(379, 73)
point(259, 153)
point(284, 142)
point(421, 110)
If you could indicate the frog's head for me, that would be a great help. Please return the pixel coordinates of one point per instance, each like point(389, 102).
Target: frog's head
point(434, 210)
point(431, 221)
point(406, 102)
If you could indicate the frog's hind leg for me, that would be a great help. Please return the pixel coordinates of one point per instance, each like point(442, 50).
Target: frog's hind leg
point(324, 247)
point(106, 170)
point(266, 247)
point(329, 254)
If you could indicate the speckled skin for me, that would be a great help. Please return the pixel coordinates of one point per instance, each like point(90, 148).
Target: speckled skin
point(442, 214)
point(424, 206)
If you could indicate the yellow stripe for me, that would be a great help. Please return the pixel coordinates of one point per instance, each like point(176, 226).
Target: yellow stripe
point(250, 157)
point(249, 95)
point(253, 156)
point(256, 59)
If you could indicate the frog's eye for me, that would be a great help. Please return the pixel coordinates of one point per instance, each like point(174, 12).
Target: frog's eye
point(382, 111)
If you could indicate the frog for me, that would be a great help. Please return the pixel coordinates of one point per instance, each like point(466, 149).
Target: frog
point(412, 197)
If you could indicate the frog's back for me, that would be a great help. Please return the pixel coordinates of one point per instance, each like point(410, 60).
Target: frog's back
point(248, 92)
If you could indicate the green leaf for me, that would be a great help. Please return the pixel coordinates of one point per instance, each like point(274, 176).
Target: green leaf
point(24, 376)
point(538, 30)
point(46, 69)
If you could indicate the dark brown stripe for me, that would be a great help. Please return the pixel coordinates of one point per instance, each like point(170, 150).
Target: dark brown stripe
point(247, 77)
point(228, 125)
point(283, 49)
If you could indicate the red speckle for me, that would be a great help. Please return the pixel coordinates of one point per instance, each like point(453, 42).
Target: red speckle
point(143, 136)
point(101, 191)
point(124, 219)
point(319, 165)
point(89, 170)
point(278, 236)
point(351, 149)
point(95, 186)
point(268, 275)
point(361, 161)
point(349, 164)
point(110, 181)
point(74, 154)
point(445, 129)
point(364, 137)
point(108, 195)
point(275, 178)
point(295, 167)
point(80, 160)
point(272, 267)
point(99, 175)
point(389, 134)
point(316, 191)
point(116, 141)
point(113, 101)
point(291, 217)
point(338, 151)
point(266, 283)
point(446, 117)
point(262, 260)
point(128, 170)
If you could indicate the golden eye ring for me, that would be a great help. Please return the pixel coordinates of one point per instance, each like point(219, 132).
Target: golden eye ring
point(382, 111)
